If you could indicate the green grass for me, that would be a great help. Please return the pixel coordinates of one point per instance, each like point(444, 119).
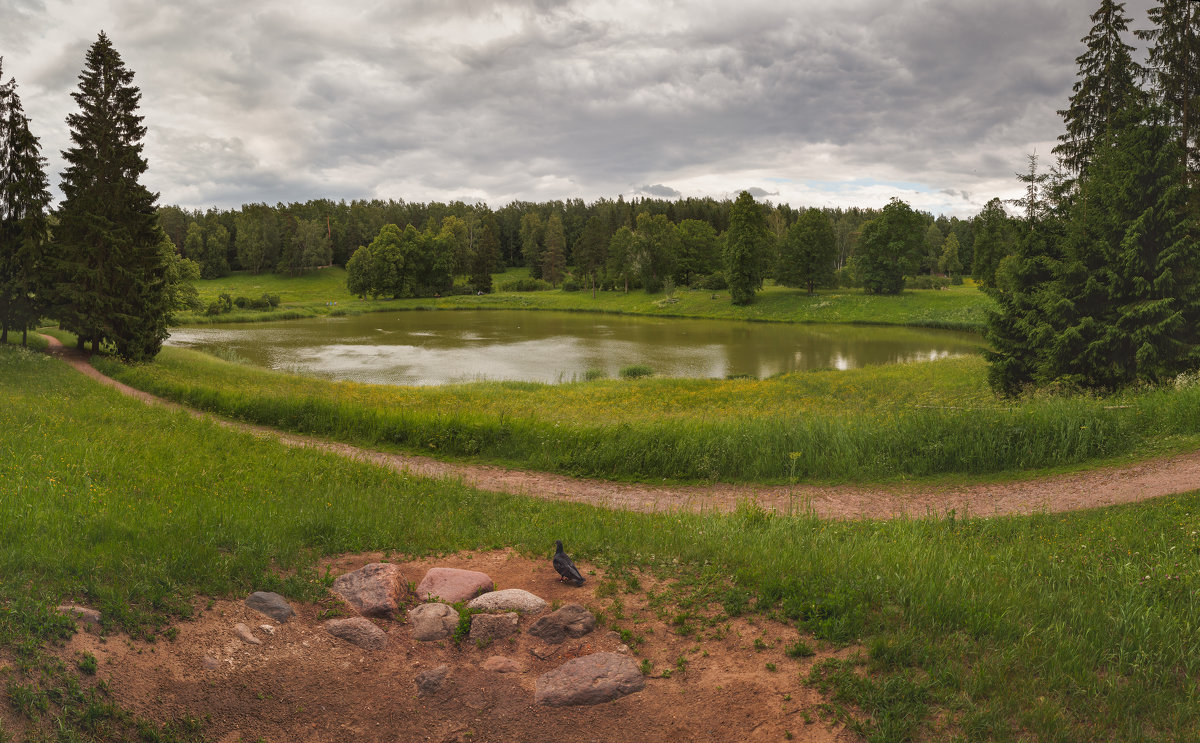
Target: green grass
point(311, 295)
point(1072, 627)
point(872, 424)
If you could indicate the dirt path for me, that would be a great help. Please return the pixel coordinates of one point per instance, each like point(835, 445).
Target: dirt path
point(1089, 489)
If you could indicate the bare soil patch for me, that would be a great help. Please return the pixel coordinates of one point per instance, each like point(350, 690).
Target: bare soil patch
point(302, 684)
point(1088, 489)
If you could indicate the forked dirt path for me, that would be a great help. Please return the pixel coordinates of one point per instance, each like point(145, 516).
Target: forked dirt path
point(1089, 489)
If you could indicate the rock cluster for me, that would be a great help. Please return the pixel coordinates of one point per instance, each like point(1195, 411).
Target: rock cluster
point(378, 591)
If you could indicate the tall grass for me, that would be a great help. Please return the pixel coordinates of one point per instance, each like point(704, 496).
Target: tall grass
point(906, 420)
point(1073, 627)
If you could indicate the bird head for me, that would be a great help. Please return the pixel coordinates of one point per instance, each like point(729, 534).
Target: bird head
point(558, 546)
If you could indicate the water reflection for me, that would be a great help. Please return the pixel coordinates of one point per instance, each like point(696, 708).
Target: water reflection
point(453, 346)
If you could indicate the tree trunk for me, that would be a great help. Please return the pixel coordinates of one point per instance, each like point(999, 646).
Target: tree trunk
point(80, 341)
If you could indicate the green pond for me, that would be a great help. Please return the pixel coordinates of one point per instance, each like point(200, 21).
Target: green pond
point(439, 347)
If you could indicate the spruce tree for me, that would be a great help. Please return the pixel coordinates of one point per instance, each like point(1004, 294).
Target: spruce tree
point(1107, 83)
point(1172, 69)
point(554, 259)
point(485, 257)
point(1128, 293)
point(112, 277)
point(24, 199)
point(747, 249)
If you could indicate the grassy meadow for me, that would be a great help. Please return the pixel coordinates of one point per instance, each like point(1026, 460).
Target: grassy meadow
point(314, 294)
point(876, 423)
point(1071, 627)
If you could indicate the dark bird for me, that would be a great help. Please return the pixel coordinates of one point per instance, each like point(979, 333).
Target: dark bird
point(566, 569)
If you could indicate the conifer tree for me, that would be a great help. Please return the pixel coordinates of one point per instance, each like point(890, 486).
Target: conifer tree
point(1107, 83)
point(993, 242)
point(485, 257)
point(112, 277)
point(554, 260)
point(1173, 69)
point(747, 249)
point(24, 199)
point(1127, 305)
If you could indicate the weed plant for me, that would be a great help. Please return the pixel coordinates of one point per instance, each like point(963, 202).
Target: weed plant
point(871, 424)
point(1071, 627)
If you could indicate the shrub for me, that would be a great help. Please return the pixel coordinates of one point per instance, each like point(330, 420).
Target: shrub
point(593, 374)
point(570, 285)
point(272, 299)
point(523, 285)
point(847, 278)
point(928, 282)
point(214, 308)
point(635, 371)
point(226, 302)
point(713, 281)
point(241, 302)
point(260, 304)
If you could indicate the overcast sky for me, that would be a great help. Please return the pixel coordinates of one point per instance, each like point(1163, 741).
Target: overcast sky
point(844, 103)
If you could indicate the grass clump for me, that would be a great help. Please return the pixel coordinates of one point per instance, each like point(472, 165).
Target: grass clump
point(635, 371)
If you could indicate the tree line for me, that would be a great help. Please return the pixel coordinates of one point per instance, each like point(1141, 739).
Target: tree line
point(606, 244)
point(99, 264)
point(1101, 288)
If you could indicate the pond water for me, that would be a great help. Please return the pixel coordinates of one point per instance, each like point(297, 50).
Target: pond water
point(438, 347)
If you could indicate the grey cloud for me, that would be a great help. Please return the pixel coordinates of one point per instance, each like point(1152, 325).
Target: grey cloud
point(760, 193)
point(660, 191)
point(521, 98)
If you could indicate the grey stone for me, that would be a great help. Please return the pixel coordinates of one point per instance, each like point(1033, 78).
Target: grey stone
point(82, 613)
point(493, 626)
point(374, 590)
point(432, 621)
point(592, 679)
point(432, 681)
point(500, 664)
point(245, 634)
point(272, 604)
point(570, 621)
point(451, 585)
point(510, 599)
point(358, 631)
point(209, 663)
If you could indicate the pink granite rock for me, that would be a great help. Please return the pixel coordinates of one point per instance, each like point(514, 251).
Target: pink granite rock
point(592, 679)
point(372, 589)
point(358, 631)
point(450, 585)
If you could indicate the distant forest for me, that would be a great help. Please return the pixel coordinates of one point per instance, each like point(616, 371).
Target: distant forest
point(642, 242)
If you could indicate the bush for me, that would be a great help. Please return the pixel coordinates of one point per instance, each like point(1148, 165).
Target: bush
point(241, 302)
point(260, 304)
point(847, 278)
point(523, 285)
point(636, 371)
point(925, 281)
point(214, 308)
point(713, 281)
point(570, 285)
point(593, 374)
point(226, 302)
point(956, 280)
point(272, 299)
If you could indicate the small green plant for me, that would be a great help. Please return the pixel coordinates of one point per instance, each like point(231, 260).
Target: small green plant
point(787, 735)
point(760, 645)
point(635, 371)
point(593, 374)
point(463, 629)
point(799, 649)
point(87, 664)
point(681, 664)
point(771, 667)
point(646, 667)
